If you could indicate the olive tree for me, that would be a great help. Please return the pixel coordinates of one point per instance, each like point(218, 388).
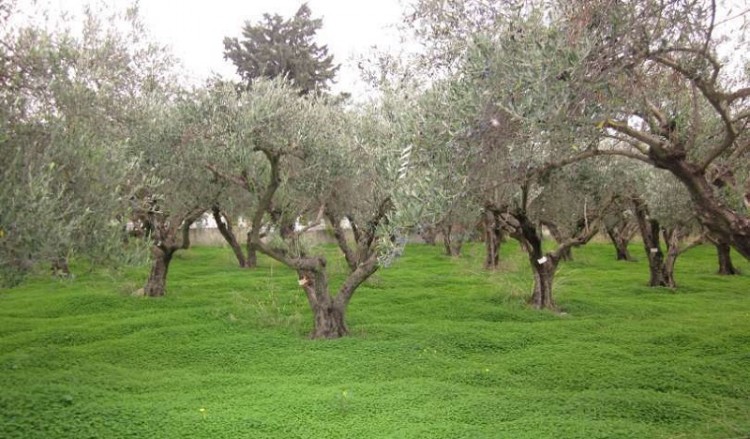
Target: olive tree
point(69, 106)
point(180, 131)
point(301, 158)
point(669, 99)
point(513, 107)
point(646, 74)
point(664, 210)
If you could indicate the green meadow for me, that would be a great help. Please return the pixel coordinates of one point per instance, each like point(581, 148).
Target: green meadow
point(439, 349)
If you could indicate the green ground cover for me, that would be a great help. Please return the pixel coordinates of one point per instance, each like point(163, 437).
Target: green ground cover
point(439, 349)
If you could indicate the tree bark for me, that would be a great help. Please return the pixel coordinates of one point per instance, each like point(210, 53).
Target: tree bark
point(328, 314)
point(452, 246)
point(544, 274)
point(650, 229)
point(329, 322)
point(170, 234)
point(252, 255)
point(224, 224)
point(672, 239)
point(527, 234)
point(340, 235)
point(544, 266)
point(724, 253)
point(620, 237)
point(156, 285)
point(493, 237)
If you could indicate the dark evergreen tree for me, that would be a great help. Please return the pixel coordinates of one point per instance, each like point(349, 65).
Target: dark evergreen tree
point(276, 47)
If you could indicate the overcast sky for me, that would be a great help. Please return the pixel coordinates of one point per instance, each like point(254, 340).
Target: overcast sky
point(195, 29)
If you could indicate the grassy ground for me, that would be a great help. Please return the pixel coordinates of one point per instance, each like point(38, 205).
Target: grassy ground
point(440, 349)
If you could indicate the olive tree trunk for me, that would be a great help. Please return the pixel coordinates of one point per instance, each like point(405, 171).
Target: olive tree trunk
point(170, 234)
point(724, 253)
point(544, 266)
point(452, 243)
point(620, 236)
point(224, 224)
point(156, 285)
point(493, 237)
point(650, 228)
point(544, 269)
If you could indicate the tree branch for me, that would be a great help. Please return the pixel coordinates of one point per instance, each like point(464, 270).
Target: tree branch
point(313, 264)
point(356, 278)
point(239, 181)
point(622, 127)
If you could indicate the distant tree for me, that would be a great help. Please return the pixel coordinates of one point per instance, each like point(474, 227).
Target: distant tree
point(275, 47)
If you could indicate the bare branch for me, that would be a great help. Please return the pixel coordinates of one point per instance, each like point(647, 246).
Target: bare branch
point(622, 127)
point(355, 279)
point(738, 94)
point(313, 264)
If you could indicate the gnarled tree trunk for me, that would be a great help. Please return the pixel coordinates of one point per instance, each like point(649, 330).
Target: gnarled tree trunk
point(544, 274)
point(328, 314)
point(60, 267)
point(620, 236)
point(650, 229)
point(170, 234)
point(544, 266)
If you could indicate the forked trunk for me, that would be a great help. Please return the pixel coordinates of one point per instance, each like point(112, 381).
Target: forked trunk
point(661, 272)
point(660, 276)
point(650, 228)
point(724, 252)
point(567, 253)
point(620, 243)
point(157, 280)
point(328, 313)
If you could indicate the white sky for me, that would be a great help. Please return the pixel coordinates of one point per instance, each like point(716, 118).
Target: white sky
point(195, 29)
